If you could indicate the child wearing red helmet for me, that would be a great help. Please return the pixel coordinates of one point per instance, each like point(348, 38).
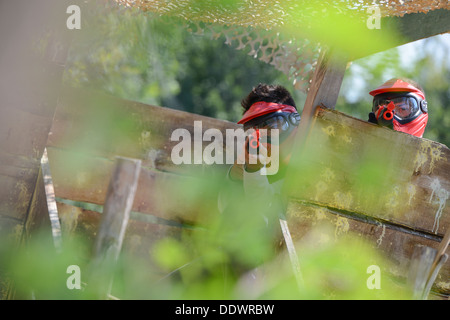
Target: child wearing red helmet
point(270, 114)
point(400, 104)
point(268, 107)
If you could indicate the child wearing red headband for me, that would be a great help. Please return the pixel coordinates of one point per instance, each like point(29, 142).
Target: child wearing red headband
point(255, 196)
point(268, 107)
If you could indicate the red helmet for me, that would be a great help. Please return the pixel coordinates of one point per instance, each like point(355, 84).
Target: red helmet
point(410, 113)
point(397, 85)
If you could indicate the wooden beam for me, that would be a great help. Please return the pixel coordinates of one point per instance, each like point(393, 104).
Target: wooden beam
point(128, 129)
point(34, 48)
point(410, 27)
point(28, 91)
point(326, 82)
point(323, 91)
point(86, 180)
point(51, 202)
point(441, 250)
point(118, 203)
point(315, 224)
point(119, 199)
point(419, 270)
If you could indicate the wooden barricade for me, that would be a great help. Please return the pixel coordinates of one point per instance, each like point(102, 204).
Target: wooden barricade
point(89, 130)
point(386, 187)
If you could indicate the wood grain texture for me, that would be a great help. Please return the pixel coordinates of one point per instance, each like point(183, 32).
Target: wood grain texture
point(140, 240)
point(162, 194)
point(114, 222)
point(410, 27)
point(119, 199)
point(353, 165)
point(323, 226)
point(100, 125)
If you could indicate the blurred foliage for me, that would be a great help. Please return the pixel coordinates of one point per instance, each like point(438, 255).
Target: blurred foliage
point(154, 60)
point(233, 258)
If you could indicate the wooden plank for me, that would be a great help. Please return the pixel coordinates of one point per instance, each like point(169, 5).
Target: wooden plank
point(170, 204)
point(127, 128)
point(326, 82)
point(314, 224)
point(23, 135)
point(35, 223)
point(323, 91)
point(140, 238)
point(165, 195)
point(51, 202)
point(118, 202)
point(419, 270)
point(30, 74)
point(141, 243)
point(38, 217)
point(119, 199)
point(359, 167)
point(411, 27)
point(443, 246)
point(16, 189)
point(324, 88)
point(22, 138)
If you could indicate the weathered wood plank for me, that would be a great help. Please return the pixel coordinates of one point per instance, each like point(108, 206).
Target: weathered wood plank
point(140, 240)
point(410, 27)
point(326, 82)
point(85, 178)
point(23, 132)
point(105, 126)
point(419, 270)
point(324, 90)
point(353, 165)
point(119, 199)
point(16, 190)
point(38, 217)
point(51, 202)
point(23, 135)
point(316, 224)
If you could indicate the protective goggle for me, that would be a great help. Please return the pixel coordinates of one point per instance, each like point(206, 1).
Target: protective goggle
point(283, 121)
point(407, 105)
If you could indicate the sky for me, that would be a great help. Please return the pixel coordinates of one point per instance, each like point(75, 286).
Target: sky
point(409, 53)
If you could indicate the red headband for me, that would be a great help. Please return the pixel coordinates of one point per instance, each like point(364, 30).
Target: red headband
point(261, 108)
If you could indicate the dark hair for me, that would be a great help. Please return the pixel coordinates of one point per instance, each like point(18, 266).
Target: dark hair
point(268, 93)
